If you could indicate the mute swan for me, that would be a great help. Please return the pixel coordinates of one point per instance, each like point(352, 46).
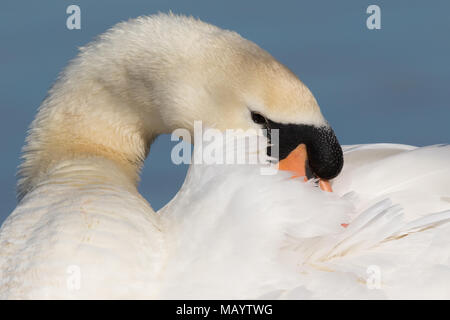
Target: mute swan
point(81, 229)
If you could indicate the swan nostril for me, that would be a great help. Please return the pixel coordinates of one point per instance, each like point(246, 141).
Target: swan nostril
point(309, 173)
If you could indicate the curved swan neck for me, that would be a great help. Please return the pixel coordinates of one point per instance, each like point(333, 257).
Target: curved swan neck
point(84, 117)
point(149, 76)
point(82, 120)
point(111, 101)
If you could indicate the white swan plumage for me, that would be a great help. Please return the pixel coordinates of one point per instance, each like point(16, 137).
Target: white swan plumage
point(82, 230)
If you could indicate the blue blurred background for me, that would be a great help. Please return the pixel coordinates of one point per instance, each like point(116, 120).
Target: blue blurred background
point(388, 85)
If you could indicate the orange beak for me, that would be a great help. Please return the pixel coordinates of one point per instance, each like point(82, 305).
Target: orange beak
point(296, 163)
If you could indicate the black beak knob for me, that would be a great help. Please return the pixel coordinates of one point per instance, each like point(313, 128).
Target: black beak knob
point(324, 151)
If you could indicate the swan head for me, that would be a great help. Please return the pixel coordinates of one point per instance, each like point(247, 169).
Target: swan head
point(156, 74)
point(261, 93)
point(228, 82)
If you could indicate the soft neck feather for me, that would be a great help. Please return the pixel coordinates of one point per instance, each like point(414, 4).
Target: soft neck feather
point(83, 121)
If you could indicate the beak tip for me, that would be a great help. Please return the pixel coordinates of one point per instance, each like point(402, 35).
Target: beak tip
point(296, 162)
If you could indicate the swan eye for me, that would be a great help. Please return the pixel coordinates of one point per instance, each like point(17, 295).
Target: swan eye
point(258, 118)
